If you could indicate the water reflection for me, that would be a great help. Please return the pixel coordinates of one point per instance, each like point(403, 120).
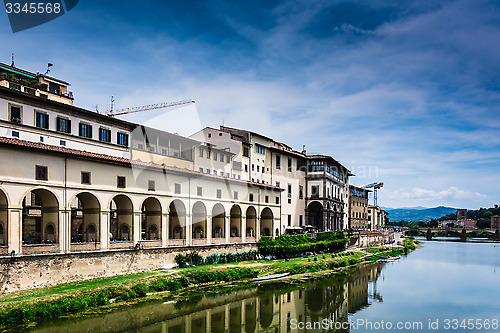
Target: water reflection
point(263, 308)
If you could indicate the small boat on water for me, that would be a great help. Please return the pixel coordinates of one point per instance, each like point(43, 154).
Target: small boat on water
point(270, 277)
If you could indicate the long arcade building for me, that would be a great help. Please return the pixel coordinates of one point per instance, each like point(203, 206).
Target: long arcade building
point(74, 180)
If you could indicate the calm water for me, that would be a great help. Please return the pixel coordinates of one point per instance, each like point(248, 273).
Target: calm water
point(441, 281)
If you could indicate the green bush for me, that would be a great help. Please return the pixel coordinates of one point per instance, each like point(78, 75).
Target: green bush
point(140, 289)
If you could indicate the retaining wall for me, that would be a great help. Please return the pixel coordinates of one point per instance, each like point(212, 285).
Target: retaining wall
point(35, 271)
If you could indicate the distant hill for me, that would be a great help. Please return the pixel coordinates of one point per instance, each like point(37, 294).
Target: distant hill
point(419, 213)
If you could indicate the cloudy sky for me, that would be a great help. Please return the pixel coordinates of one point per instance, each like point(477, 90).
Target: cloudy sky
point(404, 92)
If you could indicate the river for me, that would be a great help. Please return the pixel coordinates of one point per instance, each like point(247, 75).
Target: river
point(442, 286)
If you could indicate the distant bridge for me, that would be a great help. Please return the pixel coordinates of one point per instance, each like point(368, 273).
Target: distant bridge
point(460, 232)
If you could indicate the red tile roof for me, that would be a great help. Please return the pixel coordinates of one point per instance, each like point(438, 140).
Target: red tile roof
point(120, 160)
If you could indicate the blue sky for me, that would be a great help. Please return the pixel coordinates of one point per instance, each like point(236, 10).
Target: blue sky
point(404, 92)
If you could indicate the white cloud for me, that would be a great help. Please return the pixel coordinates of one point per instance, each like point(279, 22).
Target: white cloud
point(453, 193)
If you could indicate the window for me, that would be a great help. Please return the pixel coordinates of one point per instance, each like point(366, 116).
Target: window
point(277, 200)
point(209, 135)
point(228, 158)
point(253, 167)
point(62, 143)
point(86, 177)
point(85, 130)
point(41, 120)
point(41, 172)
point(289, 190)
point(278, 162)
point(235, 196)
point(219, 193)
point(289, 220)
point(63, 125)
point(258, 168)
point(215, 156)
point(177, 188)
point(201, 152)
point(14, 86)
point(121, 182)
point(215, 172)
point(315, 191)
point(208, 153)
point(222, 157)
point(278, 184)
point(199, 191)
point(122, 139)
point(250, 197)
point(289, 164)
point(300, 165)
point(301, 192)
point(151, 185)
point(16, 114)
point(29, 91)
point(208, 171)
point(245, 151)
point(227, 175)
point(246, 167)
point(300, 220)
point(15, 134)
point(201, 169)
point(266, 199)
point(104, 134)
point(260, 149)
point(221, 173)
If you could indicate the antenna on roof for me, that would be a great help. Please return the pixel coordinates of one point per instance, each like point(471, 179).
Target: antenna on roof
point(13, 65)
point(48, 68)
point(112, 104)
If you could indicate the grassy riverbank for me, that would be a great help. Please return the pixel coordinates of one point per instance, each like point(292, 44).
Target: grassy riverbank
point(102, 295)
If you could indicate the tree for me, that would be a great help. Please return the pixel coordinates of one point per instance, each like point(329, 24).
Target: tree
point(483, 223)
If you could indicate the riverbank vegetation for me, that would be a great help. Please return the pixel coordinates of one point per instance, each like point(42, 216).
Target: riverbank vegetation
point(26, 308)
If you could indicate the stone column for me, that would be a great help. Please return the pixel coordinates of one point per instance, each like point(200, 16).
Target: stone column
point(227, 227)
point(64, 231)
point(164, 229)
point(257, 227)
point(209, 229)
point(104, 232)
point(136, 227)
point(15, 230)
point(243, 224)
point(189, 230)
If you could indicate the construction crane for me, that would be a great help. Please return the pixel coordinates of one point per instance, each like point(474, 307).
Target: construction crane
point(112, 113)
point(375, 186)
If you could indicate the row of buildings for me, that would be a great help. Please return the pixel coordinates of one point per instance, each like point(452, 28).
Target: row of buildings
point(72, 179)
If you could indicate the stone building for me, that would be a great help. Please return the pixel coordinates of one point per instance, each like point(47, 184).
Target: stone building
point(358, 208)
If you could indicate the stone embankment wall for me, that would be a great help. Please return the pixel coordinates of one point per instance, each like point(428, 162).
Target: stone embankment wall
point(35, 271)
point(374, 238)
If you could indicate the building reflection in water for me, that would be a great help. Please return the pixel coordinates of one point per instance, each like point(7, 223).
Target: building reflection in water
point(256, 310)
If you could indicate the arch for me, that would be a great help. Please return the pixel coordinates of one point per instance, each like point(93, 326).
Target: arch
point(315, 214)
point(235, 319)
point(4, 218)
point(266, 222)
point(266, 312)
point(218, 221)
point(251, 221)
point(40, 209)
point(85, 211)
point(177, 220)
point(218, 322)
point(151, 213)
point(250, 317)
point(235, 221)
point(121, 220)
point(199, 218)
